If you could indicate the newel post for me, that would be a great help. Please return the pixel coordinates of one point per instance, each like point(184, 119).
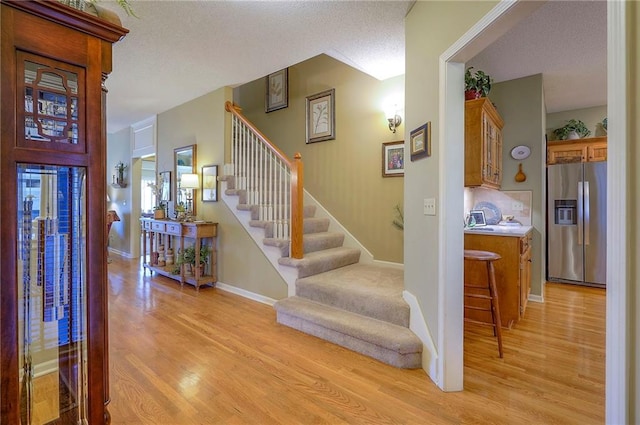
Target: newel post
point(297, 204)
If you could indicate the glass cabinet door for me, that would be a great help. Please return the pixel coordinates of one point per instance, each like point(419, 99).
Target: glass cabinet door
point(52, 103)
point(52, 291)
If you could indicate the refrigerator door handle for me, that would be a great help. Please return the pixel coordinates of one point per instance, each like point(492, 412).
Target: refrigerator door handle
point(585, 191)
point(580, 211)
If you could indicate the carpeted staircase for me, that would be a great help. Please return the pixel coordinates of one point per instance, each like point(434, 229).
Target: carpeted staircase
point(337, 298)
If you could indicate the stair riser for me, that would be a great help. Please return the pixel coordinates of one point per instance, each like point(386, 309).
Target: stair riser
point(316, 244)
point(381, 308)
point(390, 357)
point(329, 264)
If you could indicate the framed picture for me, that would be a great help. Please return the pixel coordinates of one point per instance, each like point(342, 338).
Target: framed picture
point(476, 218)
point(164, 181)
point(321, 116)
point(393, 159)
point(420, 141)
point(277, 90)
point(209, 183)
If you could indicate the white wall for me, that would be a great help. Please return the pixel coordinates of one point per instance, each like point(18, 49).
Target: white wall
point(431, 28)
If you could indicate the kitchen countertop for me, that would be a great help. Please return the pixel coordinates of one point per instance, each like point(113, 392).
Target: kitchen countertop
point(500, 230)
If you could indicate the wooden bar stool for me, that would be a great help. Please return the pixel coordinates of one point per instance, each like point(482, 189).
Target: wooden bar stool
point(488, 257)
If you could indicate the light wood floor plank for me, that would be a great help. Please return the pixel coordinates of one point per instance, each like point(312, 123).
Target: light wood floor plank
point(210, 357)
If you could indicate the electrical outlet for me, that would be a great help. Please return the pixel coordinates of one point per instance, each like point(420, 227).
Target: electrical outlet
point(430, 206)
point(517, 206)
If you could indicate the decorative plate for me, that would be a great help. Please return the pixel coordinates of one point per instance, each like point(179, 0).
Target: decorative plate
point(520, 152)
point(492, 214)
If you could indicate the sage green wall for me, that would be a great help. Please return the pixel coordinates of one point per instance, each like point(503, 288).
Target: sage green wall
point(119, 150)
point(633, 195)
point(592, 117)
point(430, 29)
point(345, 174)
point(203, 121)
point(520, 104)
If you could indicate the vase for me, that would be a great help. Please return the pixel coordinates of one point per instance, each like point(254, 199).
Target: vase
point(472, 94)
point(573, 136)
point(158, 214)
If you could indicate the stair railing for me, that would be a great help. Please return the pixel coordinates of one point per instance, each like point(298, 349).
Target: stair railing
point(273, 182)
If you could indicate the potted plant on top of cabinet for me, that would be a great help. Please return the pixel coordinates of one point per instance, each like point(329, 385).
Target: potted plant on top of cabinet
point(477, 84)
point(573, 129)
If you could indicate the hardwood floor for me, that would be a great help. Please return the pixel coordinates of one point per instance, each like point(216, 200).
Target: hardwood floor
point(184, 357)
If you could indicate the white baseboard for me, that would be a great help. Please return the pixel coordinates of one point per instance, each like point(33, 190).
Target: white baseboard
point(246, 294)
point(418, 326)
point(121, 253)
point(44, 368)
point(536, 298)
point(389, 264)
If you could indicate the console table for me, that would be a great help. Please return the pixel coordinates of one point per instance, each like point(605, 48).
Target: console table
point(177, 236)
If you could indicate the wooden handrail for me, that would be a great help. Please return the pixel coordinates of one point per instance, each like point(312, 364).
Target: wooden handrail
point(230, 107)
point(296, 168)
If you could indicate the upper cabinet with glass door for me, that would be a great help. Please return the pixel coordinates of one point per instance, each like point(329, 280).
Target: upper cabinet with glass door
point(482, 144)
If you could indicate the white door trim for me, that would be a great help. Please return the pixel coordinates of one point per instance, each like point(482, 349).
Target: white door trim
point(450, 330)
point(617, 345)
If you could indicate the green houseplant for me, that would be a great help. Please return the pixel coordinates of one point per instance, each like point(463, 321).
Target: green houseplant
point(188, 257)
point(477, 84)
point(572, 126)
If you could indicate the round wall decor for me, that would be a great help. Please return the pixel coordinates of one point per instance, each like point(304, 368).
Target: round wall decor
point(520, 152)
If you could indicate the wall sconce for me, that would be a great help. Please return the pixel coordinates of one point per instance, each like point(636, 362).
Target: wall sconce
point(394, 122)
point(189, 182)
point(394, 118)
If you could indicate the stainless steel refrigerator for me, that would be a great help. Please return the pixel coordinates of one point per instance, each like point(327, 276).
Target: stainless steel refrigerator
point(577, 223)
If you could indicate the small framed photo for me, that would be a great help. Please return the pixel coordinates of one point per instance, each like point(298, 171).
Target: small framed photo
point(164, 181)
point(476, 218)
point(277, 90)
point(420, 141)
point(210, 183)
point(393, 159)
point(321, 116)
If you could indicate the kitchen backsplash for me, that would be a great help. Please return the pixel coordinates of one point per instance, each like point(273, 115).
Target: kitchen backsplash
point(507, 201)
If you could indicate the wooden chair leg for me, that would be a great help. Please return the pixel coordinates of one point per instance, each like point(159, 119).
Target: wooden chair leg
point(495, 307)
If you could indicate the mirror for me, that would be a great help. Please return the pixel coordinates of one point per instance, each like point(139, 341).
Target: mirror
point(184, 162)
point(209, 183)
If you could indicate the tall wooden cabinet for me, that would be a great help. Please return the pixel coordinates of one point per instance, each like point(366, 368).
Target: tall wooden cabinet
point(482, 144)
point(53, 295)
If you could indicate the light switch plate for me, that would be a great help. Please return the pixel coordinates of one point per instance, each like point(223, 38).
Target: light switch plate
point(430, 206)
point(517, 206)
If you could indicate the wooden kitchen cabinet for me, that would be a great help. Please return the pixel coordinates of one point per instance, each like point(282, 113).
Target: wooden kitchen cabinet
point(525, 272)
point(482, 144)
point(512, 271)
point(578, 150)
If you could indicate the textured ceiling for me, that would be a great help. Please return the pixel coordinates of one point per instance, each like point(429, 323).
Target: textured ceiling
point(179, 50)
point(566, 41)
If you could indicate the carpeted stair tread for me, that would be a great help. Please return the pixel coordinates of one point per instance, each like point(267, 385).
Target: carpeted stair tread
point(311, 243)
point(322, 261)
point(389, 343)
point(367, 289)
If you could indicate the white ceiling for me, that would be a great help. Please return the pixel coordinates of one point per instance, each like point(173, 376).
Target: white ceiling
point(566, 41)
point(179, 50)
